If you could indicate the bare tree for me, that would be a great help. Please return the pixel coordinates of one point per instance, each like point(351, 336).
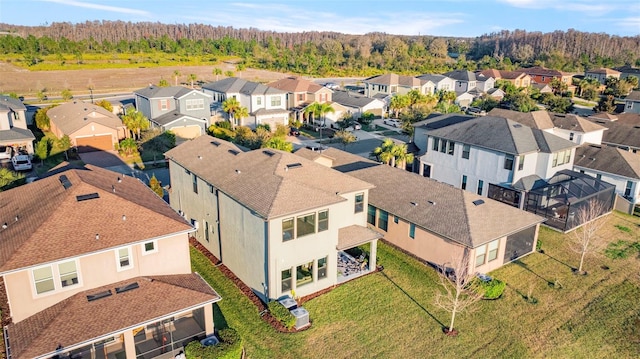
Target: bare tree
point(586, 238)
point(459, 292)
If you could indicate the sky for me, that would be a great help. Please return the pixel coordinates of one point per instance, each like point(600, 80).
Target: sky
point(459, 18)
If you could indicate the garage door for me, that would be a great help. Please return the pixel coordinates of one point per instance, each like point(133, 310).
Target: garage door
point(187, 131)
point(94, 143)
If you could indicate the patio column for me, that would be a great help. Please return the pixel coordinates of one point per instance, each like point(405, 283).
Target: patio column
point(372, 254)
point(208, 319)
point(314, 272)
point(129, 344)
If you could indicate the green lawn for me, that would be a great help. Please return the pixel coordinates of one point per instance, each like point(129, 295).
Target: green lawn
point(390, 314)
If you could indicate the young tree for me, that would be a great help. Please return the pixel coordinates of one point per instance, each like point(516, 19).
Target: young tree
point(457, 280)
point(217, 72)
point(64, 144)
point(8, 178)
point(192, 78)
point(605, 104)
point(42, 149)
point(278, 143)
point(155, 186)
point(345, 138)
point(176, 74)
point(66, 94)
point(163, 83)
point(228, 73)
point(42, 119)
point(105, 104)
point(128, 147)
point(585, 238)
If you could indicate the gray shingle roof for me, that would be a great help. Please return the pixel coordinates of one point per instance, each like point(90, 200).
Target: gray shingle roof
point(16, 134)
point(535, 119)
point(169, 117)
point(162, 92)
point(622, 132)
point(575, 123)
point(395, 79)
point(503, 135)
point(350, 99)
point(266, 181)
point(237, 85)
point(633, 96)
point(461, 75)
point(72, 116)
point(435, 78)
point(608, 159)
point(11, 103)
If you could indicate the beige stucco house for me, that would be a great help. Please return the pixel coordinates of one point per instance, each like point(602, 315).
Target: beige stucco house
point(84, 255)
point(280, 222)
point(434, 221)
point(89, 126)
point(13, 126)
point(301, 93)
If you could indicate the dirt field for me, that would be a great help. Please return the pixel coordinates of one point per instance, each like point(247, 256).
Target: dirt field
point(28, 83)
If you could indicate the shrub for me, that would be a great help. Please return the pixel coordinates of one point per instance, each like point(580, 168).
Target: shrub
point(621, 249)
point(230, 347)
point(492, 289)
point(538, 245)
point(623, 228)
point(282, 314)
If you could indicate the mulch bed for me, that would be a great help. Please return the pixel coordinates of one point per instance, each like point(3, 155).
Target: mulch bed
point(260, 305)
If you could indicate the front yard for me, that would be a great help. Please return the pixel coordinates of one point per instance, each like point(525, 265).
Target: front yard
point(390, 314)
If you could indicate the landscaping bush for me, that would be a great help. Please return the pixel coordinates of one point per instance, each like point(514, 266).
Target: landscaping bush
point(282, 314)
point(492, 289)
point(230, 347)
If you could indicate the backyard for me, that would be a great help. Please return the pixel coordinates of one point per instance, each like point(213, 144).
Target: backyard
point(391, 314)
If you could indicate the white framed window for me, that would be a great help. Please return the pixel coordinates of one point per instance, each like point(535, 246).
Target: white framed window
point(68, 272)
point(124, 260)
point(481, 254)
point(493, 250)
point(276, 100)
point(149, 247)
point(195, 104)
point(323, 220)
point(164, 104)
point(258, 101)
point(43, 279)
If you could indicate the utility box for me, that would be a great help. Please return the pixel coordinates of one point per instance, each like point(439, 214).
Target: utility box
point(302, 317)
point(288, 303)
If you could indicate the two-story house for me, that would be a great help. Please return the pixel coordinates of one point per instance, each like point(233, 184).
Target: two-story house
point(626, 71)
point(601, 74)
point(13, 125)
point(577, 129)
point(440, 82)
point(632, 102)
point(464, 80)
point(434, 221)
point(278, 221)
point(265, 105)
point(302, 92)
point(357, 104)
point(185, 112)
point(394, 84)
point(518, 79)
point(89, 126)
point(96, 265)
point(623, 130)
point(541, 75)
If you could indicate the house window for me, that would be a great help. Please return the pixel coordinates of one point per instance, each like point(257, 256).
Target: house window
point(520, 162)
point(383, 220)
point(301, 97)
point(305, 225)
point(451, 147)
point(480, 185)
point(323, 220)
point(194, 179)
point(571, 136)
point(164, 105)
point(276, 100)
point(359, 205)
point(206, 231)
point(493, 250)
point(123, 256)
point(258, 101)
point(68, 273)
point(627, 189)
point(322, 268)
point(465, 151)
point(560, 158)
point(426, 170)
point(286, 280)
point(599, 176)
point(395, 219)
point(464, 182)
point(149, 247)
point(43, 279)
point(436, 143)
point(412, 231)
point(371, 215)
point(195, 104)
point(287, 229)
point(508, 162)
point(480, 255)
point(304, 274)
point(443, 145)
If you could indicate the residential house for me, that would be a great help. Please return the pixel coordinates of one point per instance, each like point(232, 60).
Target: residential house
point(623, 130)
point(464, 99)
point(357, 104)
point(392, 84)
point(506, 161)
point(541, 75)
point(484, 84)
point(540, 120)
point(96, 265)
point(496, 94)
point(188, 111)
point(266, 105)
point(301, 93)
point(613, 165)
point(441, 82)
point(577, 129)
point(632, 102)
point(518, 79)
point(89, 126)
point(464, 80)
point(279, 222)
point(543, 88)
point(601, 74)
point(432, 122)
point(13, 125)
point(626, 71)
point(434, 221)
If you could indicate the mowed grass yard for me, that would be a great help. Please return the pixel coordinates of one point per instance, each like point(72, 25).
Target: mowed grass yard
point(391, 314)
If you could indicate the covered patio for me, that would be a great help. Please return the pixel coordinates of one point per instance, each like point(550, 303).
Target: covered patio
point(350, 266)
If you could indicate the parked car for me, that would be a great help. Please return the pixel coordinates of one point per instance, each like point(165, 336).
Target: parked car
point(476, 111)
point(357, 126)
point(21, 162)
point(332, 85)
point(5, 152)
point(294, 131)
point(392, 122)
point(316, 148)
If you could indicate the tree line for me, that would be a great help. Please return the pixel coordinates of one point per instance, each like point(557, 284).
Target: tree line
point(328, 53)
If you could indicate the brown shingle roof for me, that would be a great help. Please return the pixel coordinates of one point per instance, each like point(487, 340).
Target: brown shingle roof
point(633, 96)
point(395, 79)
point(270, 182)
point(541, 71)
point(575, 122)
point(72, 116)
point(76, 320)
point(296, 84)
point(603, 71)
point(536, 119)
point(609, 159)
point(52, 224)
point(354, 235)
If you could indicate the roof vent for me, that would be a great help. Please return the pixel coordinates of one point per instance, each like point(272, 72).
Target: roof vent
point(234, 152)
point(238, 171)
point(65, 181)
point(415, 204)
point(92, 297)
point(268, 153)
point(215, 143)
point(432, 202)
point(636, 126)
point(294, 165)
point(127, 287)
point(477, 202)
point(85, 197)
point(517, 125)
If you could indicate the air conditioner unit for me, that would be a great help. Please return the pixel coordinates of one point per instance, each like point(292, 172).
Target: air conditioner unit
point(195, 224)
point(302, 317)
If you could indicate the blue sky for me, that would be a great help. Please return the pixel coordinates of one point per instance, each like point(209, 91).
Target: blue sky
point(406, 17)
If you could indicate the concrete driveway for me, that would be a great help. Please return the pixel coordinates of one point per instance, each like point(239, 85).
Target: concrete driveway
point(104, 159)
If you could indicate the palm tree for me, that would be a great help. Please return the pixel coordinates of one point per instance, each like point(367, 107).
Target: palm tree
point(399, 103)
point(386, 152)
point(135, 122)
point(217, 72)
point(191, 78)
point(235, 110)
point(402, 157)
point(317, 109)
point(176, 74)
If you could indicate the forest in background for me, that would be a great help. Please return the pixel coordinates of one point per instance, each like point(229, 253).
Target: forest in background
point(318, 53)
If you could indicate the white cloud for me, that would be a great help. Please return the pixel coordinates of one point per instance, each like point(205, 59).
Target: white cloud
point(87, 5)
point(587, 7)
